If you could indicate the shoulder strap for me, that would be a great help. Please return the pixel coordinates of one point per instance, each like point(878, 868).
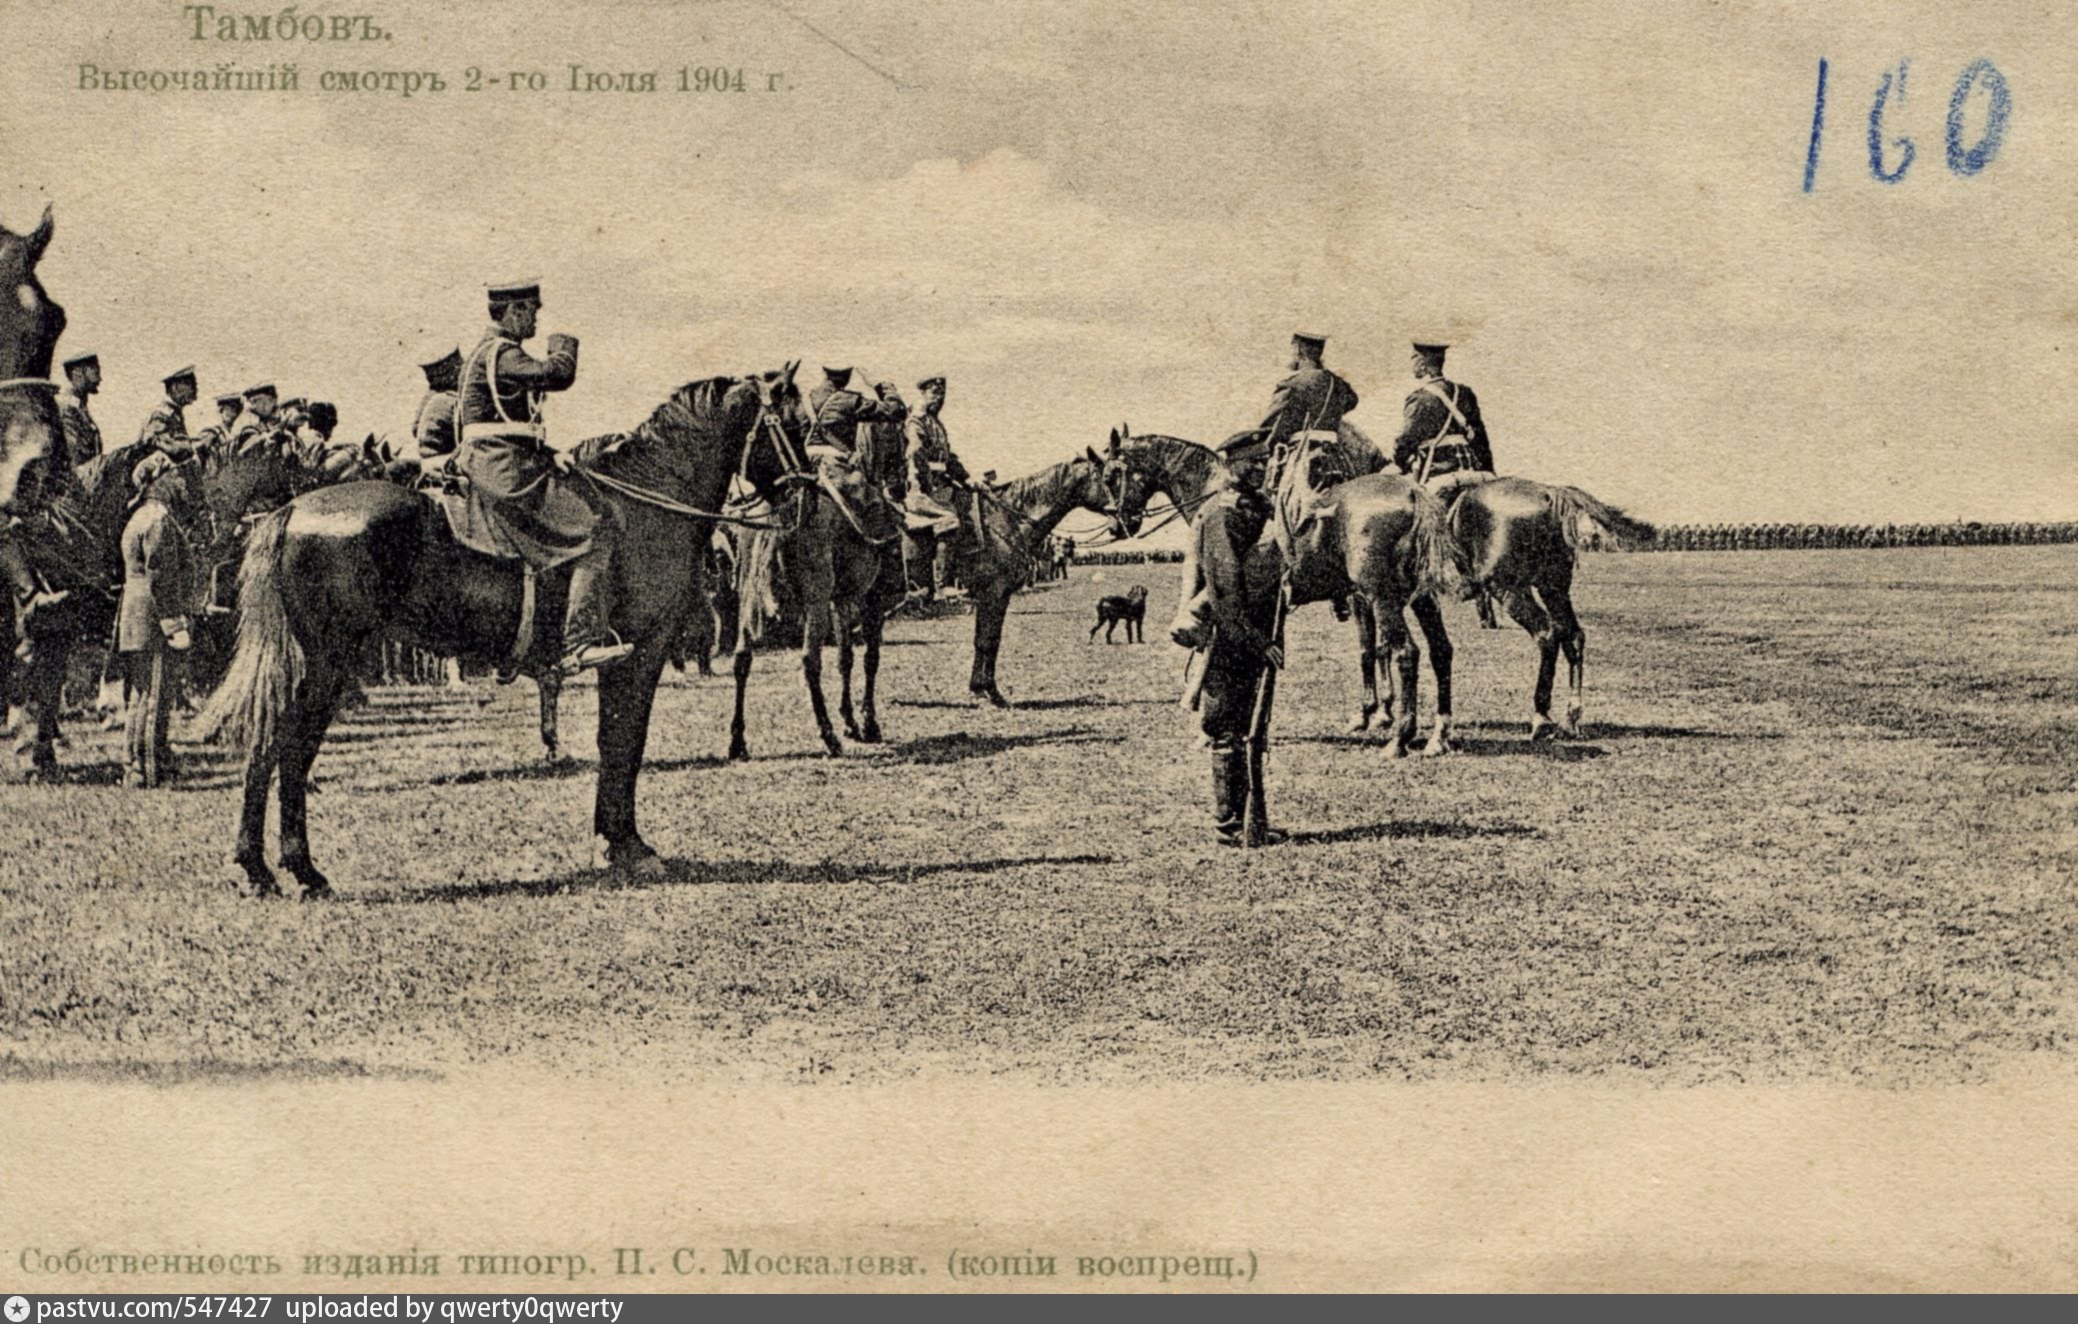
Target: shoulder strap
point(1449, 402)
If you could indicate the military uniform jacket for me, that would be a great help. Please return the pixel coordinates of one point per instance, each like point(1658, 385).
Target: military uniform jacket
point(82, 433)
point(1310, 400)
point(434, 430)
point(156, 583)
point(1240, 599)
point(167, 427)
point(930, 452)
point(1461, 441)
point(251, 430)
point(838, 414)
point(518, 503)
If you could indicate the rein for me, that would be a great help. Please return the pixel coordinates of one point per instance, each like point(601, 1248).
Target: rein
point(768, 426)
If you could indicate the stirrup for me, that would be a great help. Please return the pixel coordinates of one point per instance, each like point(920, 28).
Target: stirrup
point(586, 656)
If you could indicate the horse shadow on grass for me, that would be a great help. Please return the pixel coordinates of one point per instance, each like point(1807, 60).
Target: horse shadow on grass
point(959, 746)
point(1478, 747)
point(681, 872)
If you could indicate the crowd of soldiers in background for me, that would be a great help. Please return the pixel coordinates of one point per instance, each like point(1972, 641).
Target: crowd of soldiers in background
point(1759, 538)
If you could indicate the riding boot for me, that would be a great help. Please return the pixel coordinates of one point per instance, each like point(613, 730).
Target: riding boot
point(1229, 789)
point(27, 595)
point(587, 642)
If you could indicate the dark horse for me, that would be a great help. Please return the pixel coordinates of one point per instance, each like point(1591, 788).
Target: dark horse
point(1519, 540)
point(30, 324)
point(332, 572)
point(1015, 525)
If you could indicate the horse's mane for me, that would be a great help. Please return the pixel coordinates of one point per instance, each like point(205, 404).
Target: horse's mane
point(694, 405)
point(117, 463)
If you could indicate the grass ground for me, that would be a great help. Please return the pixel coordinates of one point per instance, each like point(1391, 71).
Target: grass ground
point(1819, 826)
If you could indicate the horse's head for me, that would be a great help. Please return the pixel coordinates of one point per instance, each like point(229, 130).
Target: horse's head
point(778, 446)
point(1128, 485)
point(30, 324)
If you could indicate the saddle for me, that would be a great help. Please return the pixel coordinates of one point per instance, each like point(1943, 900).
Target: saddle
point(544, 594)
point(1308, 470)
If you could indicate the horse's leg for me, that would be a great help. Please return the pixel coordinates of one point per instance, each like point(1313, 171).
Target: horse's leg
point(551, 686)
point(627, 693)
point(989, 614)
point(815, 629)
point(303, 731)
point(43, 693)
point(873, 625)
point(1398, 648)
point(250, 850)
point(1429, 613)
point(844, 660)
point(1528, 613)
point(1572, 640)
point(1364, 621)
point(1098, 626)
point(738, 748)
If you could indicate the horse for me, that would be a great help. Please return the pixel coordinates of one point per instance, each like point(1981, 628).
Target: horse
point(332, 571)
point(832, 556)
point(1377, 539)
point(1520, 541)
point(1015, 522)
point(30, 324)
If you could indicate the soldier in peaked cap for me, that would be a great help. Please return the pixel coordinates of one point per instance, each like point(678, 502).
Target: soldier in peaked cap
point(518, 484)
point(261, 423)
point(939, 478)
point(152, 623)
point(167, 425)
point(1308, 405)
point(214, 441)
point(839, 412)
point(1443, 441)
point(433, 432)
point(1232, 619)
point(82, 433)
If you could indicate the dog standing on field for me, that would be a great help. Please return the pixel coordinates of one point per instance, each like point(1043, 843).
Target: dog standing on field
point(1128, 609)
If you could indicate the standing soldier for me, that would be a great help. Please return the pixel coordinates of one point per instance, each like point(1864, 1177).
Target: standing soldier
point(939, 478)
point(433, 433)
point(519, 484)
point(1443, 442)
point(82, 433)
point(167, 425)
point(152, 623)
point(1234, 619)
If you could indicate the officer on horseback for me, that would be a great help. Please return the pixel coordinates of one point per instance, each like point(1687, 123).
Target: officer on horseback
point(82, 433)
point(940, 476)
point(1307, 407)
point(167, 425)
point(1443, 441)
point(216, 439)
point(539, 509)
point(1233, 619)
point(839, 412)
point(261, 423)
point(433, 432)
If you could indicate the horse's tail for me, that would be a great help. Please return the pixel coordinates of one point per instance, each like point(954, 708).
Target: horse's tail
point(268, 663)
point(1440, 568)
point(1571, 505)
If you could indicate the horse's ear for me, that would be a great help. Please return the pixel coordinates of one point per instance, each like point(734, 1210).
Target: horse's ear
point(1114, 438)
point(1094, 458)
point(1125, 431)
point(791, 368)
point(39, 237)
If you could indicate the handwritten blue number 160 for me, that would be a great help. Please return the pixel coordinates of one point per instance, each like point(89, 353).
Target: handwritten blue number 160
point(1889, 160)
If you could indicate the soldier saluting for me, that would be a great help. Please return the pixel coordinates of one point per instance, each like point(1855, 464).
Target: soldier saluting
point(519, 483)
point(838, 411)
point(1234, 618)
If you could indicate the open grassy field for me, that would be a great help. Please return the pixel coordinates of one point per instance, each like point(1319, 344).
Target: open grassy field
point(1822, 824)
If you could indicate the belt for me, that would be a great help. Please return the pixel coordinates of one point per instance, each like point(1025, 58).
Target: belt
point(496, 431)
point(1316, 434)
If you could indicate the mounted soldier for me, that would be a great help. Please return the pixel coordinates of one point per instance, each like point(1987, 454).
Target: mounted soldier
point(522, 494)
point(1442, 442)
point(166, 427)
point(260, 424)
point(82, 433)
point(840, 412)
point(153, 621)
point(1234, 621)
point(433, 432)
point(213, 443)
point(940, 480)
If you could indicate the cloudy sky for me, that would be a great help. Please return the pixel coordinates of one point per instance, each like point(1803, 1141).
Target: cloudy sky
point(1092, 212)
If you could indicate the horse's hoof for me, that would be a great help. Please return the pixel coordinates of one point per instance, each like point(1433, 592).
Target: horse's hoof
point(1396, 750)
point(870, 735)
point(739, 753)
point(1362, 721)
point(259, 879)
point(1542, 730)
point(1436, 748)
point(852, 733)
point(833, 747)
point(307, 876)
point(996, 697)
point(629, 859)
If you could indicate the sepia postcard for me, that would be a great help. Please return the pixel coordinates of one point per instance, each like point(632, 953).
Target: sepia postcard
point(664, 646)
